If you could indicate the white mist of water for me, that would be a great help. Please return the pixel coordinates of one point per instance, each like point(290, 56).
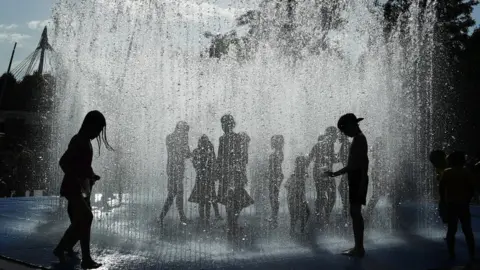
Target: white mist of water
point(140, 63)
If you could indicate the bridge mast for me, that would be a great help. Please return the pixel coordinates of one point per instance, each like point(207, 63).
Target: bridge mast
point(43, 45)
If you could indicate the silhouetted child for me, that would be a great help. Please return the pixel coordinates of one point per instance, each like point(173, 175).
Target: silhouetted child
point(275, 176)
point(457, 183)
point(343, 185)
point(228, 155)
point(178, 151)
point(231, 165)
point(439, 161)
point(324, 156)
point(238, 196)
point(357, 170)
point(79, 178)
point(203, 192)
point(297, 202)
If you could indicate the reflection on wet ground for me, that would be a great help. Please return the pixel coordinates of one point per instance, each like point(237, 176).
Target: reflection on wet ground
point(127, 236)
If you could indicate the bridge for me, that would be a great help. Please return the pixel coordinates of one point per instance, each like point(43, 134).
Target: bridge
point(25, 87)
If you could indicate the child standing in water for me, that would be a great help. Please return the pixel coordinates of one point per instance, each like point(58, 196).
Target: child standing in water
point(297, 202)
point(231, 165)
point(79, 178)
point(323, 155)
point(275, 176)
point(177, 152)
point(357, 170)
point(457, 184)
point(238, 196)
point(204, 191)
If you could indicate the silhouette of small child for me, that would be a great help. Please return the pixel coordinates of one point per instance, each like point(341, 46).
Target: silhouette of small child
point(275, 175)
point(457, 184)
point(297, 203)
point(204, 190)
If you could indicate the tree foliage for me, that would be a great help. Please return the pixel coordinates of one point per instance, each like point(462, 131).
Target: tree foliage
point(452, 79)
point(279, 23)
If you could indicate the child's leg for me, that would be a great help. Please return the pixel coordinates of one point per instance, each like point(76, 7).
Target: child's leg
point(207, 212)
point(302, 215)
point(343, 189)
point(452, 228)
point(179, 202)
point(232, 222)
point(291, 211)
point(237, 211)
point(201, 210)
point(466, 220)
point(307, 212)
point(332, 198)
point(215, 209)
point(167, 204)
point(357, 224)
point(305, 216)
point(274, 203)
point(372, 203)
point(319, 201)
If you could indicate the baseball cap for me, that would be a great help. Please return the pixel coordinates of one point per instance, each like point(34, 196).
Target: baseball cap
point(346, 119)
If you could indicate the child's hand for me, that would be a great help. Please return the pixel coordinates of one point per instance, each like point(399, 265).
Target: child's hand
point(328, 174)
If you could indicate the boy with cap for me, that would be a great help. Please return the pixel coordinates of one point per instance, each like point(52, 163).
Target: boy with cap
point(357, 170)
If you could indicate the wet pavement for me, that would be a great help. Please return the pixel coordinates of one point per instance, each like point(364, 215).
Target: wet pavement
point(127, 236)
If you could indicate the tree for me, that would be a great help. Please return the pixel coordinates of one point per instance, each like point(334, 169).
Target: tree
point(8, 83)
point(277, 24)
point(468, 91)
point(451, 36)
point(451, 39)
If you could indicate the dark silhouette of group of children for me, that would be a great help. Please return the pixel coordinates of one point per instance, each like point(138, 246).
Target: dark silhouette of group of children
point(456, 187)
point(229, 168)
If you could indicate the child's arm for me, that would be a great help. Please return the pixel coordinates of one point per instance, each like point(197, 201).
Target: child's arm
point(313, 154)
point(218, 160)
point(73, 161)
point(196, 159)
point(354, 160)
point(188, 153)
point(289, 183)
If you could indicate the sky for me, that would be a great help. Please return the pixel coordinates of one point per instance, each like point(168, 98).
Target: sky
point(23, 21)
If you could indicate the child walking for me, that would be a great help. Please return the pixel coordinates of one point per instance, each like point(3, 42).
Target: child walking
point(297, 202)
point(76, 186)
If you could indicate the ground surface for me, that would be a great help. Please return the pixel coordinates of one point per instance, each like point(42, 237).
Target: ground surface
point(127, 237)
